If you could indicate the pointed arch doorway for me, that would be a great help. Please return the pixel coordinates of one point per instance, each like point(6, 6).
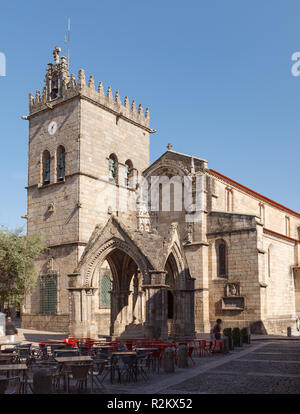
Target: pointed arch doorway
point(170, 281)
point(121, 303)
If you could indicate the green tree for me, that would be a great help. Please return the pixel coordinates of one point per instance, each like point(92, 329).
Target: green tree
point(17, 265)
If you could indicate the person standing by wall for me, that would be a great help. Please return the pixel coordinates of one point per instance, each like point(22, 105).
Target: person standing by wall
point(10, 330)
point(217, 329)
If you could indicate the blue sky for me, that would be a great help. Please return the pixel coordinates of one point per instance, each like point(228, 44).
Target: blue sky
point(216, 75)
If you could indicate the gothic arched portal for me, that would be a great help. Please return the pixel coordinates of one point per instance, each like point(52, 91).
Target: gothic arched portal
point(126, 313)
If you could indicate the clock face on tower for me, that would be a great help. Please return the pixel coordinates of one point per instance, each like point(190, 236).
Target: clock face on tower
point(52, 127)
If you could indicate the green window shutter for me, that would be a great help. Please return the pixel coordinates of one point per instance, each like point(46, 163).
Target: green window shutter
point(48, 294)
point(105, 288)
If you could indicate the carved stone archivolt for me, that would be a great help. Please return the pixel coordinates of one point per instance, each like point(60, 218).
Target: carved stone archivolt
point(104, 250)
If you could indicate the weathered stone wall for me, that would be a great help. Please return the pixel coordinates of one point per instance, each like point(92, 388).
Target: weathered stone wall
point(64, 262)
point(60, 225)
point(51, 323)
point(279, 278)
point(101, 136)
point(240, 235)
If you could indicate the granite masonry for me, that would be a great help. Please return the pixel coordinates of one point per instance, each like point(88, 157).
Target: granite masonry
point(120, 264)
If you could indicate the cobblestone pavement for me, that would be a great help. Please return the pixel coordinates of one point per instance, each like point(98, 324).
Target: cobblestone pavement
point(273, 368)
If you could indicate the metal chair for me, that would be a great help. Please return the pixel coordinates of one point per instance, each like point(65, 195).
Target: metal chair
point(7, 383)
point(143, 365)
point(83, 350)
point(80, 374)
point(99, 372)
point(24, 355)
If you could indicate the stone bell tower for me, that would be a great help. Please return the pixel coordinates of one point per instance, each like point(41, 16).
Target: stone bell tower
point(83, 144)
point(57, 76)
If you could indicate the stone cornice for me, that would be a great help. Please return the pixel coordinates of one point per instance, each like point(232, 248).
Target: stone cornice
point(193, 244)
point(64, 244)
point(272, 232)
point(226, 232)
point(73, 175)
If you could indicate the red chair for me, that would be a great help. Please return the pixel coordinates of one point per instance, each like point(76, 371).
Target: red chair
point(204, 348)
point(190, 353)
point(218, 346)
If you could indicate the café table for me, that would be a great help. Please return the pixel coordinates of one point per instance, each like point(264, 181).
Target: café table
point(155, 361)
point(9, 343)
point(62, 361)
point(7, 357)
point(16, 367)
point(103, 346)
point(61, 351)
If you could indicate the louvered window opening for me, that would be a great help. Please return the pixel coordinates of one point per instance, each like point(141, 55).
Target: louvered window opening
point(48, 294)
point(105, 291)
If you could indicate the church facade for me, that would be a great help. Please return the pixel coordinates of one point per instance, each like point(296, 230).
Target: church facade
point(140, 250)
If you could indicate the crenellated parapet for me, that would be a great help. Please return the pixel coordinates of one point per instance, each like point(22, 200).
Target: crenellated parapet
point(60, 87)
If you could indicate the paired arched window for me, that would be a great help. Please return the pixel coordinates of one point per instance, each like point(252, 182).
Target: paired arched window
point(61, 163)
point(221, 251)
point(113, 167)
point(128, 172)
point(46, 167)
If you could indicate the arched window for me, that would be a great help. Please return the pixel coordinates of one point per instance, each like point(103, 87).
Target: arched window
point(113, 167)
point(61, 163)
point(221, 251)
point(229, 199)
point(46, 167)
point(128, 172)
point(105, 288)
point(168, 280)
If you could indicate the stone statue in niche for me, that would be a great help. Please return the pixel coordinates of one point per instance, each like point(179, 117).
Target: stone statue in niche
point(232, 289)
point(189, 233)
point(50, 265)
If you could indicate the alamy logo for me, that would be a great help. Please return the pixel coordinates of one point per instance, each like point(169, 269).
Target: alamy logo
point(296, 66)
point(152, 194)
point(2, 64)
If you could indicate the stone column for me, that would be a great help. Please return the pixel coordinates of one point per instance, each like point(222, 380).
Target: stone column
point(197, 257)
point(119, 312)
point(156, 306)
point(92, 328)
point(82, 323)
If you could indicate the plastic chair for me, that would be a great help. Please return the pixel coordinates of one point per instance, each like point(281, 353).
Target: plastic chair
point(190, 353)
point(204, 348)
point(218, 346)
